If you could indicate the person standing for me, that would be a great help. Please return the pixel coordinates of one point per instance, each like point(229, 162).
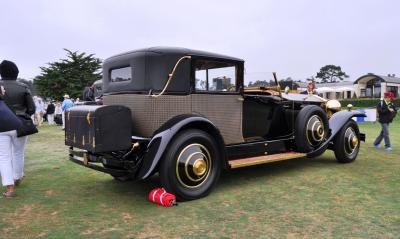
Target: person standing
point(50, 113)
point(310, 88)
point(88, 93)
point(8, 125)
point(386, 112)
point(58, 114)
point(66, 104)
point(18, 97)
point(34, 119)
point(39, 111)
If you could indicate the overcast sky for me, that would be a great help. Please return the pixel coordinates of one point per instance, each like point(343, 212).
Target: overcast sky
point(295, 38)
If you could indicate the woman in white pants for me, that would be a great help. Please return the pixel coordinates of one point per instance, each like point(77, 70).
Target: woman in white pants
point(11, 160)
point(6, 169)
point(19, 99)
point(8, 141)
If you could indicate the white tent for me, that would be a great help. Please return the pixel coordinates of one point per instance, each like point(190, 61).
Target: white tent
point(344, 88)
point(325, 89)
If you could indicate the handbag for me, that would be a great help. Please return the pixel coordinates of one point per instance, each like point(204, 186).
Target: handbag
point(27, 128)
point(8, 120)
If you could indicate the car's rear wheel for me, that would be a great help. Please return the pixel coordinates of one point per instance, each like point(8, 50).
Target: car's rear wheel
point(119, 178)
point(126, 178)
point(191, 166)
point(311, 128)
point(347, 143)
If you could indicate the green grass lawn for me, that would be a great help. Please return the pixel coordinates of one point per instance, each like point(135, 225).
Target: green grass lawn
point(312, 198)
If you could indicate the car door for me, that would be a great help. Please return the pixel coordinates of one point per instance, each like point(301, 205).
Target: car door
point(216, 96)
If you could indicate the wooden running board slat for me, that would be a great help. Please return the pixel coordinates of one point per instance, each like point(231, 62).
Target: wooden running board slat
point(238, 163)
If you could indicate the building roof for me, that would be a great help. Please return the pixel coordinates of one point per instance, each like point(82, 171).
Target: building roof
point(179, 51)
point(332, 84)
point(370, 76)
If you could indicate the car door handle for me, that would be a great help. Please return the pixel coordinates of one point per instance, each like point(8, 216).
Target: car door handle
point(240, 99)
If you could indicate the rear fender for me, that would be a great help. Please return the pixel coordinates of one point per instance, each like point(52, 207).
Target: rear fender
point(163, 136)
point(336, 122)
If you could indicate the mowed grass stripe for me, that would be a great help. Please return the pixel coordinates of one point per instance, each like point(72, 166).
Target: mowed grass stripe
point(290, 199)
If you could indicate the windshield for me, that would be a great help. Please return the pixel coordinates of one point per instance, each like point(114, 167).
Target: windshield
point(259, 79)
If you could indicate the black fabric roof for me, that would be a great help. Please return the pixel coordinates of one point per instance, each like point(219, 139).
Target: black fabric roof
point(179, 51)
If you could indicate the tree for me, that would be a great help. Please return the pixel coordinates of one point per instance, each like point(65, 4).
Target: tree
point(311, 78)
point(258, 83)
point(68, 76)
point(331, 73)
point(288, 82)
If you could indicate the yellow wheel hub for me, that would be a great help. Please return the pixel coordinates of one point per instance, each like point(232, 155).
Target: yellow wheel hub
point(193, 166)
point(354, 141)
point(320, 131)
point(199, 167)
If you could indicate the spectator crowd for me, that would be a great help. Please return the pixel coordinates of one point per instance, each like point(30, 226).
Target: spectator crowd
point(21, 114)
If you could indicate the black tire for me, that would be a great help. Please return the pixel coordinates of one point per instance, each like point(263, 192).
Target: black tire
point(123, 178)
point(346, 144)
point(191, 166)
point(311, 128)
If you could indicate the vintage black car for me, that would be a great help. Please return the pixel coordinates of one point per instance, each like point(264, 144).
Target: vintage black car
point(186, 115)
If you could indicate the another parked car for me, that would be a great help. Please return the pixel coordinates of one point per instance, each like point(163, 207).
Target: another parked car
point(186, 115)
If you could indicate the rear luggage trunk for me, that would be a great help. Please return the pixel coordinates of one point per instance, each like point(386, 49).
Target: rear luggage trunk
point(98, 128)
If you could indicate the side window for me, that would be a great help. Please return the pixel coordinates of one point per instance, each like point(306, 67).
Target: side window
point(121, 74)
point(215, 76)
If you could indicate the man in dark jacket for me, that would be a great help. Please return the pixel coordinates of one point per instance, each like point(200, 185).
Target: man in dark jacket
point(50, 113)
point(19, 99)
point(88, 93)
point(386, 113)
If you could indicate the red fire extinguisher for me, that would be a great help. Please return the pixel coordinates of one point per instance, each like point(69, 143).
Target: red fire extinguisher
point(162, 197)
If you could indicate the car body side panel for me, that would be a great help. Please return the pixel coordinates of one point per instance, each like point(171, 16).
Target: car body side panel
point(149, 113)
point(224, 111)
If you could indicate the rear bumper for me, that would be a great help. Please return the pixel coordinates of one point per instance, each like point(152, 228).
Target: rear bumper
point(83, 158)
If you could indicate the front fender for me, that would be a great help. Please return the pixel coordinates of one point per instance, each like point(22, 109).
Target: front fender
point(336, 122)
point(163, 136)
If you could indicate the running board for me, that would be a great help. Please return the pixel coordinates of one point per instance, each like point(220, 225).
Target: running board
point(245, 162)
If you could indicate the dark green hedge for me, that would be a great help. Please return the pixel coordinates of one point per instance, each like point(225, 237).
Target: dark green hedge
point(364, 103)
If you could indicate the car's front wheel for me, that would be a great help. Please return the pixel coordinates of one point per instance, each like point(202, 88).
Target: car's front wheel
point(191, 166)
point(311, 128)
point(347, 143)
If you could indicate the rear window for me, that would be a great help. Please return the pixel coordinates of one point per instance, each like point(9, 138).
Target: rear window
point(121, 74)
